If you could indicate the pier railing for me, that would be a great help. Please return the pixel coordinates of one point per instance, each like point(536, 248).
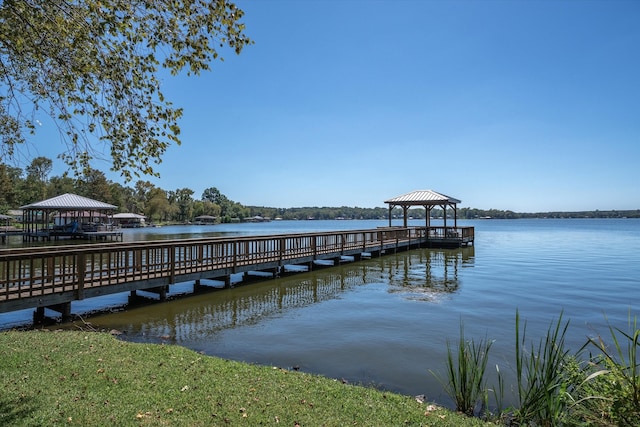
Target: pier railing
point(31, 276)
point(45, 276)
point(462, 234)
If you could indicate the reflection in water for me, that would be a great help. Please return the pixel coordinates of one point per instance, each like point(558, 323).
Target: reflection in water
point(424, 275)
point(428, 275)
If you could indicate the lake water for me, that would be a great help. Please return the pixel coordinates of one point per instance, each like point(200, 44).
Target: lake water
point(386, 321)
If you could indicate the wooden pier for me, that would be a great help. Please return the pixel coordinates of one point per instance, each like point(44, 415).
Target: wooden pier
point(79, 235)
point(5, 234)
point(53, 277)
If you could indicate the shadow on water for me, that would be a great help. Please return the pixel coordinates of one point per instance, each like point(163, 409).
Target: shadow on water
point(424, 275)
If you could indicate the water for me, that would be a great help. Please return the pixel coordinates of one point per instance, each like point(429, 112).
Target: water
point(386, 321)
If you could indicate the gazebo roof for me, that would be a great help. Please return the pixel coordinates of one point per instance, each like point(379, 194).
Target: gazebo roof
point(422, 198)
point(69, 202)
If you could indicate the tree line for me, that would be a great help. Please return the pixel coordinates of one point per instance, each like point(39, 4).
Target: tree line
point(20, 187)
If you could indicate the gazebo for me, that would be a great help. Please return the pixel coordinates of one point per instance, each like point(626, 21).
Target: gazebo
point(427, 199)
point(65, 215)
point(440, 236)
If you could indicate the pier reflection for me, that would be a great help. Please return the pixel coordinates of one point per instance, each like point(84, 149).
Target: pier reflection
point(429, 275)
point(424, 275)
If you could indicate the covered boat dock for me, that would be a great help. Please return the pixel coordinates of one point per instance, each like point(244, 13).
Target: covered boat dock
point(69, 216)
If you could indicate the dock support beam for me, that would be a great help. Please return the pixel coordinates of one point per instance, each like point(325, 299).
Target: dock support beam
point(161, 291)
point(38, 316)
point(63, 308)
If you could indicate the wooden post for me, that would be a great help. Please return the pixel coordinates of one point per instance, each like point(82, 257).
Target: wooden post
point(64, 309)
point(81, 268)
point(314, 247)
point(172, 262)
point(455, 216)
point(137, 260)
point(405, 211)
point(38, 315)
point(197, 286)
point(282, 246)
point(133, 296)
point(444, 215)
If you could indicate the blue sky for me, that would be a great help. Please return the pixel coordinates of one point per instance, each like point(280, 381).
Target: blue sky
point(522, 105)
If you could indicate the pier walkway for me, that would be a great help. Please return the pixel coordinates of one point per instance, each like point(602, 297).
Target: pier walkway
point(53, 277)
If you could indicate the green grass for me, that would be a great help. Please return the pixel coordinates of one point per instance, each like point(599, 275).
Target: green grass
point(93, 379)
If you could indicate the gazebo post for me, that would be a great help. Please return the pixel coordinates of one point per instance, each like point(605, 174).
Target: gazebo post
point(390, 209)
point(405, 210)
point(426, 217)
point(455, 216)
point(444, 215)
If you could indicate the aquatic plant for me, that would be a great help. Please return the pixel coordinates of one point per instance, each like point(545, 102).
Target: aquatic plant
point(610, 393)
point(541, 380)
point(466, 384)
point(554, 387)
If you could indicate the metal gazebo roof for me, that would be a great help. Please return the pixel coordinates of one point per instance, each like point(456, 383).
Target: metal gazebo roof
point(422, 198)
point(69, 202)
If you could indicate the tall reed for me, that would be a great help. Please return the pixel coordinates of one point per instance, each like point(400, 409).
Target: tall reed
point(465, 370)
point(554, 387)
point(542, 384)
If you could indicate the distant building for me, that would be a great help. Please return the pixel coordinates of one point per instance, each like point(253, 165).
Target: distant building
point(258, 218)
point(205, 220)
point(129, 220)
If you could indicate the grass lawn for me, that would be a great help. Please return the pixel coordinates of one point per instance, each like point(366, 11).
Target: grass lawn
point(93, 379)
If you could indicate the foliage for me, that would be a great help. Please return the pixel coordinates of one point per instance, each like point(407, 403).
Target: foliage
point(610, 393)
point(466, 384)
point(80, 378)
point(474, 213)
point(554, 387)
point(542, 385)
point(591, 394)
point(329, 213)
point(93, 66)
